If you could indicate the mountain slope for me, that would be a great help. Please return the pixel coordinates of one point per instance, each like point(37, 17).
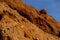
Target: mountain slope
point(39, 18)
point(15, 26)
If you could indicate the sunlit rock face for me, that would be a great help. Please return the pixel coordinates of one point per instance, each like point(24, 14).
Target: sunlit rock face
point(19, 21)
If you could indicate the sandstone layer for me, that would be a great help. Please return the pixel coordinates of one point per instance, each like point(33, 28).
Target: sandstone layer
point(39, 18)
point(19, 21)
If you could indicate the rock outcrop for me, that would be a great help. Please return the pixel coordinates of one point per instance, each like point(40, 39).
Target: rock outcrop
point(39, 18)
point(19, 21)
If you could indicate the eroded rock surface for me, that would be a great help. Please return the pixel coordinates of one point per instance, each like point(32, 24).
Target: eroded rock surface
point(21, 22)
point(39, 18)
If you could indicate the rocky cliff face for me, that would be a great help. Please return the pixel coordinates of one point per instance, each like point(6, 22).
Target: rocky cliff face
point(19, 21)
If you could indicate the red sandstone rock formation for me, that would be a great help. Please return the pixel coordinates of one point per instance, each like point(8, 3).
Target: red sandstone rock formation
point(19, 21)
point(39, 18)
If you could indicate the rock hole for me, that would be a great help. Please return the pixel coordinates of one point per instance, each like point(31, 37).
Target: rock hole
point(4, 11)
point(10, 14)
point(12, 7)
point(25, 35)
point(7, 28)
point(50, 28)
point(59, 34)
point(35, 39)
point(23, 20)
point(1, 35)
point(8, 38)
point(7, 12)
point(0, 16)
point(4, 31)
point(25, 15)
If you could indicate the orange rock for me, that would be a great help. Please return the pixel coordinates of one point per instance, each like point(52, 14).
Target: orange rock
point(15, 17)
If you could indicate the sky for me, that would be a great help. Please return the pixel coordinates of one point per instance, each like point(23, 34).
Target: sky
point(52, 6)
